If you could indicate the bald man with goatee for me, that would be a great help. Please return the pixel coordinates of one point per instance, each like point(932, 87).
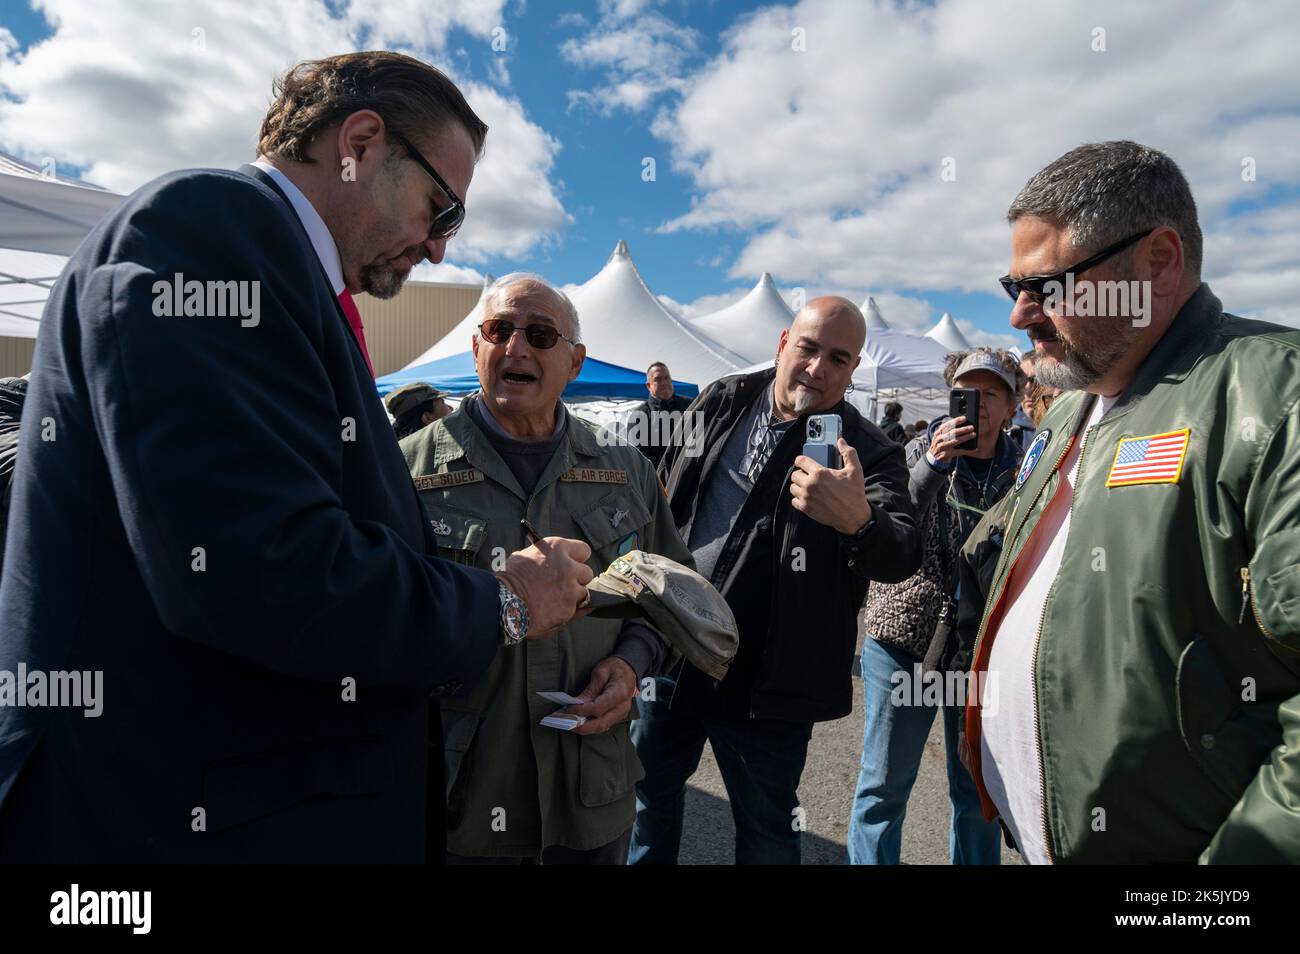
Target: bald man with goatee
point(792, 546)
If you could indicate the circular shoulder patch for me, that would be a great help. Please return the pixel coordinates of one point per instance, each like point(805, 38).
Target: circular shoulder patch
point(1035, 451)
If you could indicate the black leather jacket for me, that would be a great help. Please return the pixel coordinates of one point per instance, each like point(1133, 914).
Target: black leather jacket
point(797, 617)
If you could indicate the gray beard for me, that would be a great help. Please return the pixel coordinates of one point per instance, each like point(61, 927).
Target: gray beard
point(1071, 373)
point(803, 402)
point(382, 281)
point(1075, 371)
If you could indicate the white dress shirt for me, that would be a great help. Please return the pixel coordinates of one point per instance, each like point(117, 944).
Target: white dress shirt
point(321, 239)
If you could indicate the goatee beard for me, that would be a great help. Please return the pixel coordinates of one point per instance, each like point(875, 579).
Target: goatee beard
point(1075, 370)
point(382, 281)
point(804, 401)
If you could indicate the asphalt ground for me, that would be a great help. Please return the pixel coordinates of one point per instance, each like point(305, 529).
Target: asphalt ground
point(826, 794)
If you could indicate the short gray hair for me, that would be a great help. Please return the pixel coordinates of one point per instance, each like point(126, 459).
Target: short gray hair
point(1106, 191)
point(505, 281)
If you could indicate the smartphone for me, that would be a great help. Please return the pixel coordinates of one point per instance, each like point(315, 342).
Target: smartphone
point(965, 402)
point(823, 431)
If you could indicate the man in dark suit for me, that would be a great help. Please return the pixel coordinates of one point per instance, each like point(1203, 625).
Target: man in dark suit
point(212, 523)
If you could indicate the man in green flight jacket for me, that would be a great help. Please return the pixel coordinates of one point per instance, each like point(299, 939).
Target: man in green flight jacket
point(1143, 620)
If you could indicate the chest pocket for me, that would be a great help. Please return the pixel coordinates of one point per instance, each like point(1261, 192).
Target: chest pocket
point(460, 534)
point(608, 524)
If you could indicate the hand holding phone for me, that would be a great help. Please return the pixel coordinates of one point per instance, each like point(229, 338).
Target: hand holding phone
point(823, 434)
point(965, 403)
point(949, 436)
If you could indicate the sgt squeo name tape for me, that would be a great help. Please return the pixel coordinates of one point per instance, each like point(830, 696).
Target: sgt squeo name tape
point(453, 478)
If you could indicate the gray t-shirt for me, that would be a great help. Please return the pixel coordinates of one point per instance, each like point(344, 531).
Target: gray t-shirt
point(728, 487)
point(638, 645)
point(527, 460)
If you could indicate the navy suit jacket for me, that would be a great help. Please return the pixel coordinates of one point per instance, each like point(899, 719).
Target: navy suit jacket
point(214, 514)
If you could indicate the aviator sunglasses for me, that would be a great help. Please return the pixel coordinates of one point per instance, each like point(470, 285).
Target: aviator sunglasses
point(540, 336)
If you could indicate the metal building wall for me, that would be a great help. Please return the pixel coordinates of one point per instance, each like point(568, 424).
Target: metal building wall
point(397, 330)
point(402, 328)
point(16, 356)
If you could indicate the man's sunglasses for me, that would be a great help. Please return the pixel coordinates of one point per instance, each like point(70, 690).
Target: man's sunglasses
point(1036, 285)
point(540, 336)
point(445, 221)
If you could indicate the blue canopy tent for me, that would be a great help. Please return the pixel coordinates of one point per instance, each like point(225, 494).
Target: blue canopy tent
point(596, 381)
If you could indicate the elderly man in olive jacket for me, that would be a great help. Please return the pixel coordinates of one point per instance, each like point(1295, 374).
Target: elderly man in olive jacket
point(519, 791)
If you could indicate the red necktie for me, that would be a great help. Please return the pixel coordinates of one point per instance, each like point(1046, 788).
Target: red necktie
point(354, 321)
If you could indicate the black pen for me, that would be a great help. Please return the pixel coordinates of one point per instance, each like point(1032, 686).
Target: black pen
point(533, 536)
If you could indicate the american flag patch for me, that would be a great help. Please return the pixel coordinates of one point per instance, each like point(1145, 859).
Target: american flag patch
point(1156, 459)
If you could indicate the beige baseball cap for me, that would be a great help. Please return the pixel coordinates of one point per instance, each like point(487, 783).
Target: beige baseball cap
point(681, 604)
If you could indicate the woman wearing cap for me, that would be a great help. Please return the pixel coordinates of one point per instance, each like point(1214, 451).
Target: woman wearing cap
point(911, 622)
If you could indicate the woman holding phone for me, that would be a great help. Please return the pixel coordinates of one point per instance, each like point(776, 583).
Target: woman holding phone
point(958, 468)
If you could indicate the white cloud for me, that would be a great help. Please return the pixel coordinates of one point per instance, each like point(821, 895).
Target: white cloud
point(708, 304)
point(902, 312)
point(513, 206)
point(831, 158)
point(978, 336)
point(642, 52)
point(420, 23)
point(446, 272)
point(122, 91)
point(673, 305)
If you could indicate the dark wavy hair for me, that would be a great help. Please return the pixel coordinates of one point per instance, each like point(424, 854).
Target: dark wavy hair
point(414, 98)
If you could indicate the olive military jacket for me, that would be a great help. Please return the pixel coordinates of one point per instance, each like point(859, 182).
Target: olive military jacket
point(514, 787)
point(1167, 669)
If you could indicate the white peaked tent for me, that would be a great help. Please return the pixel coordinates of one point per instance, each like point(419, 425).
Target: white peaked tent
point(899, 367)
point(875, 320)
point(948, 334)
point(623, 323)
point(456, 341)
point(902, 367)
point(752, 326)
point(896, 360)
point(43, 219)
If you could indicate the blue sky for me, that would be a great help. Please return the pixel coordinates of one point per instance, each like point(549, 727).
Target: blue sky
point(822, 164)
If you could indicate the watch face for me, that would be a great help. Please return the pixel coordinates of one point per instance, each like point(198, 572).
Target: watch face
point(514, 619)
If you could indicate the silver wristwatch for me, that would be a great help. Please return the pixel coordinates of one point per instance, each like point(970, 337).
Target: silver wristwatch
point(514, 616)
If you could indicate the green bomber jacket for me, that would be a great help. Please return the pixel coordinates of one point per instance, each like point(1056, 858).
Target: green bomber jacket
point(1167, 667)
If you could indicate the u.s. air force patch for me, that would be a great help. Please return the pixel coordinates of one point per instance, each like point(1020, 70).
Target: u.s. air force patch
point(453, 478)
point(1154, 459)
point(594, 475)
point(1031, 456)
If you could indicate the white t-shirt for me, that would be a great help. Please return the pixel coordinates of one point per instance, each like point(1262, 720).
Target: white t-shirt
point(1009, 757)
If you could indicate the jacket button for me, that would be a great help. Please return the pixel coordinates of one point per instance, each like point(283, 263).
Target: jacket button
point(1207, 741)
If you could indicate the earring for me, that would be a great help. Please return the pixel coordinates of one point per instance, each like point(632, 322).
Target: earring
point(850, 389)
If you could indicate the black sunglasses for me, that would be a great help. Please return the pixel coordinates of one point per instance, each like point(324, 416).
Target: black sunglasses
point(1035, 285)
point(445, 221)
point(540, 336)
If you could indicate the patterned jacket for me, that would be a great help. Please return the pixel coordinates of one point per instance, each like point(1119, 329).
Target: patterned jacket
point(905, 614)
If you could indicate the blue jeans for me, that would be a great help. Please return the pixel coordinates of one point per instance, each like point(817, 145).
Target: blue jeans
point(760, 760)
point(893, 739)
